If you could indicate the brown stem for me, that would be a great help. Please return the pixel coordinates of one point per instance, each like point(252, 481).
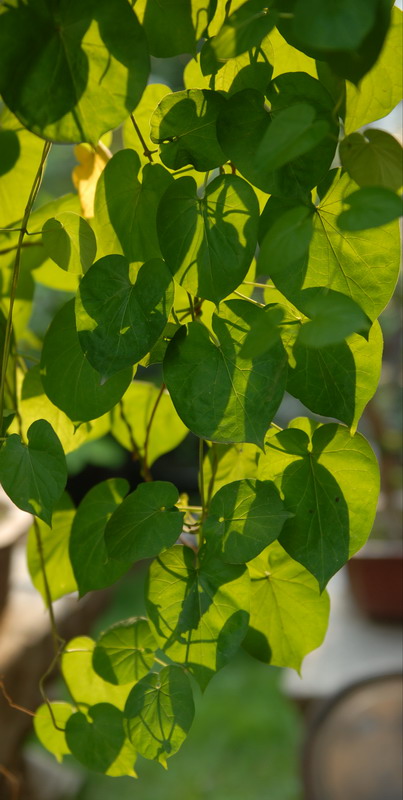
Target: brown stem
point(147, 152)
point(146, 471)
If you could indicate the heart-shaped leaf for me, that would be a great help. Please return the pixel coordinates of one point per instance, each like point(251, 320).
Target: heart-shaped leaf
point(146, 523)
point(34, 475)
point(125, 652)
point(159, 713)
point(71, 72)
point(198, 609)
point(120, 318)
point(210, 252)
point(247, 516)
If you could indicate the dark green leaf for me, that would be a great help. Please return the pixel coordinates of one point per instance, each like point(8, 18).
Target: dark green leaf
point(292, 133)
point(210, 251)
point(288, 616)
point(175, 27)
point(146, 523)
point(89, 558)
point(9, 150)
point(370, 207)
point(198, 609)
point(184, 125)
point(219, 395)
point(125, 209)
point(73, 71)
point(247, 516)
point(96, 738)
point(373, 159)
point(70, 242)
point(159, 713)
point(330, 482)
point(334, 24)
point(244, 127)
point(34, 475)
point(70, 382)
point(125, 652)
point(120, 315)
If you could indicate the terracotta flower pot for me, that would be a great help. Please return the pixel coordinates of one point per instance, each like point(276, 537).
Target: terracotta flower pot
point(376, 578)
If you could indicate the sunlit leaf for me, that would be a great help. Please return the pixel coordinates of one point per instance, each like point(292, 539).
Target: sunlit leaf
point(159, 713)
point(125, 652)
point(288, 616)
point(198, 609)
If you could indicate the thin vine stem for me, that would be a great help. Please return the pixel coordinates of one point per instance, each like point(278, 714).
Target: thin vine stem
point(202, 493)
point(16, 273)
point(147, 152)
point(39, 545)
point(146, 470)
point(249, 299)
point(135, 450)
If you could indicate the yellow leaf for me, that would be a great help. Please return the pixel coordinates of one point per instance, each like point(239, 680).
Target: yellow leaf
point(85, 175)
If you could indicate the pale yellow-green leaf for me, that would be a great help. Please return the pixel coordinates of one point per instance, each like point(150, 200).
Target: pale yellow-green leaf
point(381, 88)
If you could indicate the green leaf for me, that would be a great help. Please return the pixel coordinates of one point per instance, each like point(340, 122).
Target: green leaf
point(225, 463)
point(73, 71)
point(125, 652)
point(250, 70)
point(334, 25)
point(33, 403)
point(210, 252)
point(91, 565)
point(333, 317)
point(146, 523)
point(15, 182)
point(184, 125)
point(247, 516)
point(70, 382)
point(373, 159)
point(120, 316)
point(9, 150)
point(263, 334)
point(83, 683)
point(244, 130)
point(370, 207)
point(292, 133)
point(137, 404)
point(243, 29)
point(288, 616)
point(70, 242)
point(219, 395)
point(198, 609)
point(337, 380)
point(381, 88)
point(152, 95)
point(159, 713)
point(55, 552)
point(97, 737)
point(174, 28)
point(34, 475)
point(363, 267)
point(125, 209)
point(53, 739)
point(330, 482)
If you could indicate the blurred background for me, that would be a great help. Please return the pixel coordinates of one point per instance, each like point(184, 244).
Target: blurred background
point(259, 732)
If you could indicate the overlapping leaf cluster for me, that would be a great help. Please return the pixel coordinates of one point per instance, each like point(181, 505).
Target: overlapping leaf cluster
point(221, 241)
